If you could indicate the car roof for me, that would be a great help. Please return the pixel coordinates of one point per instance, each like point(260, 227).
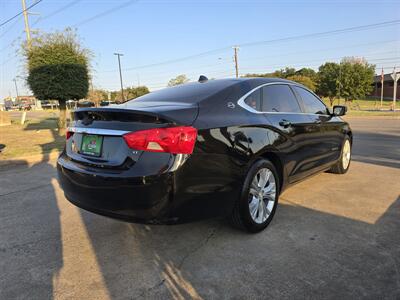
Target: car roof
point(194, 92)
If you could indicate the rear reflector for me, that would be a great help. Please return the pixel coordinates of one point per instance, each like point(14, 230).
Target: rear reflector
point(176, 140)
point(69, 134)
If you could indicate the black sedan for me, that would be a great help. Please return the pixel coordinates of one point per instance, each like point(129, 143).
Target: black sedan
point(210, 148)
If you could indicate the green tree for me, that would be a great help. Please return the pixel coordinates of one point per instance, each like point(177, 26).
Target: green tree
point(304, 80)
point(356, 78)
point(97, 95)
point(258, 75)
point(308, 72)
point(180, 79)
point(328, 81)
point(284, 73)
point(134, 92)
point(58, 69)
point(130, 93)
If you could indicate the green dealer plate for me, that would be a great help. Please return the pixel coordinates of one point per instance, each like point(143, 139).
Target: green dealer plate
point(91, 144)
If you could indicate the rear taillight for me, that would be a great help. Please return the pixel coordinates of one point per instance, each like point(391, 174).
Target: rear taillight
point(176, 140)
point(69, 134)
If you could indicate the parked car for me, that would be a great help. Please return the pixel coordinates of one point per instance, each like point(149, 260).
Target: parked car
point(24, 106)
point(106, 103)
point(47, 104)
point(71, 104)
point(85, 103)
point(211, 148)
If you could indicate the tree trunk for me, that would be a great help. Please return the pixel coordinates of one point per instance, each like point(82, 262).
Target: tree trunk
point(62, 119)
point(332, 100)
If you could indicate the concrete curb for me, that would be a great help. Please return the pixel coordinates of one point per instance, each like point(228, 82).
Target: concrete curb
point(372, 117)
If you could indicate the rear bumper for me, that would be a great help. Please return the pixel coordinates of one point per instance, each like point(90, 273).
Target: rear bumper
point(145, 199)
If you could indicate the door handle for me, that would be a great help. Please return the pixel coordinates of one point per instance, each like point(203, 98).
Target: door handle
point(285, 123)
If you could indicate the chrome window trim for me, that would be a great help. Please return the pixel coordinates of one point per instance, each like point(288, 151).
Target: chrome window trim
point(99, 131)
point(243, 104)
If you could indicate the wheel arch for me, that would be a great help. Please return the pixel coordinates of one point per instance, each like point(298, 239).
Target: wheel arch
point(350, 134)
point(277, 162)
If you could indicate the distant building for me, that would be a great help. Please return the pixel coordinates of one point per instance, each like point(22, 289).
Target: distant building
point(26, 99)
point(388, 83)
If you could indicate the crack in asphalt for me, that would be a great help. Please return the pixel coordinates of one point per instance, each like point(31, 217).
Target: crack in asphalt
point(386, 252)
point(25, 190)
point(183, 260)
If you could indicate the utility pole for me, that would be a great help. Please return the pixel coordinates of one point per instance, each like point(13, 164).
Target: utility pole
point(340, 80)
point(120, 74)
point(236, 48)
point(395, 77)
point(16, 88)
point(27, 29)
point(382, 82)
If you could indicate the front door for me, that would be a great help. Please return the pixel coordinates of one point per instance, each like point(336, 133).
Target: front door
point(295, 129)
point(324, 129)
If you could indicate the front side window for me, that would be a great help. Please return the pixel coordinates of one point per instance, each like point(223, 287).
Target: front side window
point(254, 100)
point(312, 104)
point(279, 98)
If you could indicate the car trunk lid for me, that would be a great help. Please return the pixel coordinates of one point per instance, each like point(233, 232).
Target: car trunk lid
point(102, 130)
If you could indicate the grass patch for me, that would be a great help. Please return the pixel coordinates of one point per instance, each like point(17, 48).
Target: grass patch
point(37, 136)
point(367, 107)
point(365, 113)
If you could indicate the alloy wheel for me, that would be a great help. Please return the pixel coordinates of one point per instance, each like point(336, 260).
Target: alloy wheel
point(262, 195)
point(346, 154)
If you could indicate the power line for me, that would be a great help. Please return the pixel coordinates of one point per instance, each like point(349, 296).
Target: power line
point(20, 13)
point(318, 50)
point(269, 56)
point(325, 33)
point(57, 11)
point(106, 12)
point(292, 38)
point(226, 73)
point(301, 63)
point(9, 28)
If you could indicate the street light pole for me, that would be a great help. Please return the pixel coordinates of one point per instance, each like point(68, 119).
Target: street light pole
point(120, 75)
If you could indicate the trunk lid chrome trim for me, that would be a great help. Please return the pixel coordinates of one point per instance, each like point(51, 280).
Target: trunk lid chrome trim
point(99, 131)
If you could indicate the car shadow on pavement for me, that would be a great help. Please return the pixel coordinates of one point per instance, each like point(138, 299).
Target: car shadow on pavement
point(377, 148)
point(31, 243)
point(30, 237)
point(304, 253)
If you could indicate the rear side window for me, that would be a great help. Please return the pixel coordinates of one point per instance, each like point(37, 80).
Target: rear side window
point(279, 98)
point(311, 103)
point(254, 100)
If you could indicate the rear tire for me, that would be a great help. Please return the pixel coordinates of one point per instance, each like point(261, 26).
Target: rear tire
point(257, 204)
point(343, 164)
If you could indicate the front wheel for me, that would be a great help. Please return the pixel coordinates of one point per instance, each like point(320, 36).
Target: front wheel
point(257, 204)
point(343, 164)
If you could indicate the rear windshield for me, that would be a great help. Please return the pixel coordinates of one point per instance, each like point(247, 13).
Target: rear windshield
point(187, 93)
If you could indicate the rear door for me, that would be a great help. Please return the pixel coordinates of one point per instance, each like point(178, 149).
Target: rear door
point(324, 130)
point(284, 111)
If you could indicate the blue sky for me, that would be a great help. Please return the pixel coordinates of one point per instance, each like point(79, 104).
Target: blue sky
point(151, 32)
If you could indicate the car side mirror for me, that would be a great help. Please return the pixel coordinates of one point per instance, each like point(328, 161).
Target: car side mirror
point(339, 110)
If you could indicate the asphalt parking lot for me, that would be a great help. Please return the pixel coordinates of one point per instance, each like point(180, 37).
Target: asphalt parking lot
point(333, 236)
